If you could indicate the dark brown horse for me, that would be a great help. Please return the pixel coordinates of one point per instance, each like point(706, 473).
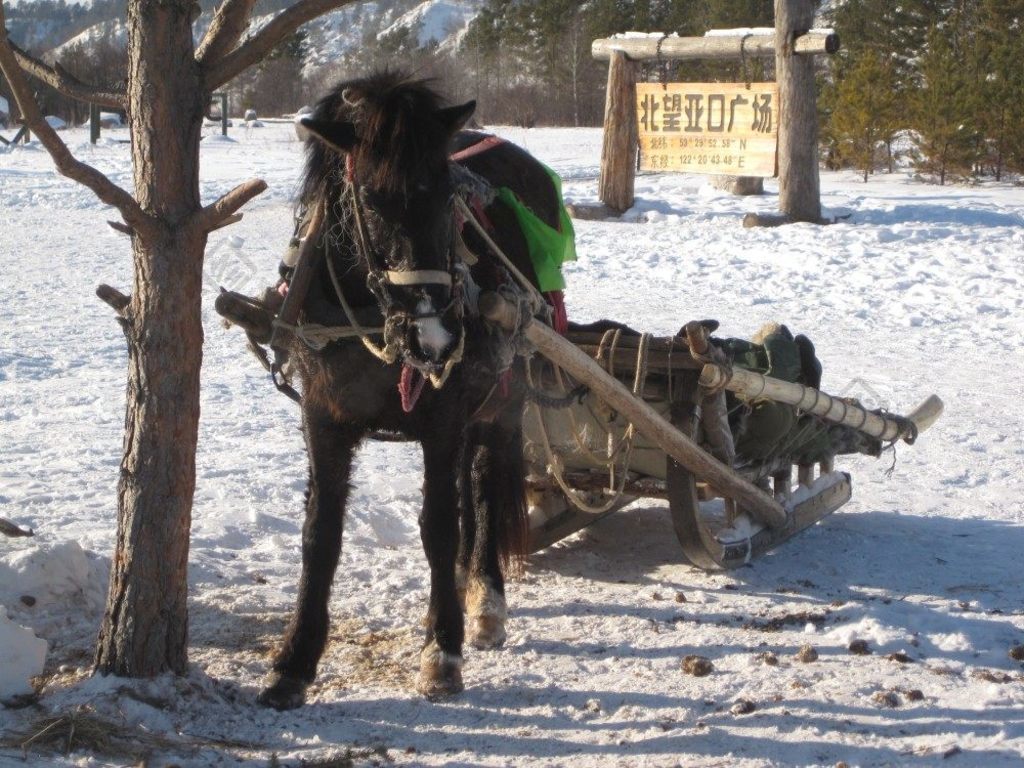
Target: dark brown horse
point(379, 168)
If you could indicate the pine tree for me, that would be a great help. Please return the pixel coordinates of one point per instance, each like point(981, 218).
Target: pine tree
point(867, 110)
point(999, 53)
point(943, 106)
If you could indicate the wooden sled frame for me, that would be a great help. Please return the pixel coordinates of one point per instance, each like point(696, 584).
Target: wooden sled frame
point(755, 516)
point(699, 514)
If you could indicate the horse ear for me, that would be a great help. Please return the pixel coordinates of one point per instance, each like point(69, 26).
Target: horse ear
point(455, 118)
point(339, 136)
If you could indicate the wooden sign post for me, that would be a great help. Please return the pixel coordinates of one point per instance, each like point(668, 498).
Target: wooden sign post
point(794, 48)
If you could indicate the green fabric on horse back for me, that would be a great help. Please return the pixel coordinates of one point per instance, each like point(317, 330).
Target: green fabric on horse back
point(549, 248)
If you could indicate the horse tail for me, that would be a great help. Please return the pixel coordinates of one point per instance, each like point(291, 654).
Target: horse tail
point(498, 478)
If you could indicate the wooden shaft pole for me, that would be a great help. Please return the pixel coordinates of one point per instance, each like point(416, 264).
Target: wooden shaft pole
point(832, 409)
point(799, 185)
point(619, 147)
point(652, 425)
point(305, 267)
point(709, 48)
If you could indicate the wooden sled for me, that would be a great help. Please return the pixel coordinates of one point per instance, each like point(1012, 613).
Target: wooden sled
point(724, 516)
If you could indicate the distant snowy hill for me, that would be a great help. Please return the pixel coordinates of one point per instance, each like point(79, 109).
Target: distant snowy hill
point(434, 22)
point(440, 22)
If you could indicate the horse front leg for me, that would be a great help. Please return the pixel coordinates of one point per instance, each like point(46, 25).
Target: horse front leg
point(330, 447)
point(441, 657)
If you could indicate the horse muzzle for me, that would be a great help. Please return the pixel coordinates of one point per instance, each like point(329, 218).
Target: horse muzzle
point(430, 338)
point(427, 336)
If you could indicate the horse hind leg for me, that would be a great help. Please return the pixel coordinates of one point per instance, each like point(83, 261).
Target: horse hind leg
point(486, 613)
point(441, 657)
point(330, 447)
point(496, 476)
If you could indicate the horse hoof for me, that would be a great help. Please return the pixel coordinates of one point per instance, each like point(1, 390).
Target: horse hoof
point(486, 632)
point(440, 673)
point(487, 614)
point(283, 692)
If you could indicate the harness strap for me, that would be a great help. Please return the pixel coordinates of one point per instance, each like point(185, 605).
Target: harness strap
point(417, 277)
point(475, 149)
point(536, 299)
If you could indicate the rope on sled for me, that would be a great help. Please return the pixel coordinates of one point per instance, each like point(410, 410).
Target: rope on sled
point(619, 452)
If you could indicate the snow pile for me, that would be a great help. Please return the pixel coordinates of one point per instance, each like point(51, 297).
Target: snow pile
point(21, 657)
point(54, 574)
point(760, 31)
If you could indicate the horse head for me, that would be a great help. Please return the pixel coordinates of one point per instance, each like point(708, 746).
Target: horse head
point(387, 138)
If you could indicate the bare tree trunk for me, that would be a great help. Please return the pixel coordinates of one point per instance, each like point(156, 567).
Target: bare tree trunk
point(145, 625)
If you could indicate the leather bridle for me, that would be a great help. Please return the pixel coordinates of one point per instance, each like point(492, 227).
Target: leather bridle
point(397, 320)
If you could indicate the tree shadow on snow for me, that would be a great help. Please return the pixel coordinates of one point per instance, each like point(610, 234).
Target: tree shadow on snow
point(916, 212)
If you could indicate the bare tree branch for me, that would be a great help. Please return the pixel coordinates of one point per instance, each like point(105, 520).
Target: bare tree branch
point(215, 215)
point(66, 163)
point(217, 72)
point(233, 219)
point(124, 229)
point(63, 81)
point(226, 29)
point(110, 295)
point(119, 302)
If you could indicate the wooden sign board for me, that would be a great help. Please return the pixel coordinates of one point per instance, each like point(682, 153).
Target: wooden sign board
point(717, 128)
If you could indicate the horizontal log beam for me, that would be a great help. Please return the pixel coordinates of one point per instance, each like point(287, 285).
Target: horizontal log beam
point(832, 409)
point(715, 47)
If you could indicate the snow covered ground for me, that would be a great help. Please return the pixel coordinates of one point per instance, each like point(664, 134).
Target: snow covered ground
point(919, 290)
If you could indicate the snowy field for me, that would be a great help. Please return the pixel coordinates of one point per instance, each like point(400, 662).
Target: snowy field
point(918, 290)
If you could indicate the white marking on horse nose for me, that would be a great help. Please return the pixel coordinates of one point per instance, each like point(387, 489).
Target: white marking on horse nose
point(430, 332)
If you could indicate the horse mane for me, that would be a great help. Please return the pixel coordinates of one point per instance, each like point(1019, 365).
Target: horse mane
point(399, 139)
